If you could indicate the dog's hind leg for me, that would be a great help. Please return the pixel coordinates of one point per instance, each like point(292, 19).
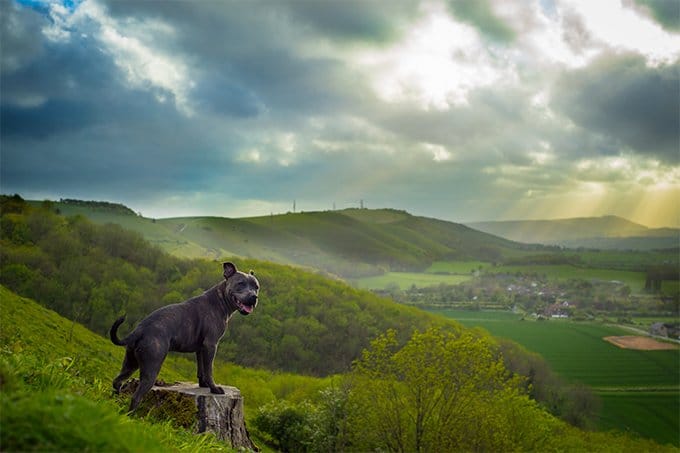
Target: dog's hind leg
point(150, 361)
point(130, 365)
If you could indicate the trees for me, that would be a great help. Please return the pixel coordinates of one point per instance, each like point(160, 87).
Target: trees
point(442, 391)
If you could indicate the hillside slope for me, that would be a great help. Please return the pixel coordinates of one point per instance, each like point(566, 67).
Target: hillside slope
point(305, 322)
point(349, 243)
point(607, 232)
point(56, 395)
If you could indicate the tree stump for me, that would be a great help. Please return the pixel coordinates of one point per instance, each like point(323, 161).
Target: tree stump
point(189, 406)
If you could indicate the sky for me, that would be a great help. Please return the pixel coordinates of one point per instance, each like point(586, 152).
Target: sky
point(464, 110)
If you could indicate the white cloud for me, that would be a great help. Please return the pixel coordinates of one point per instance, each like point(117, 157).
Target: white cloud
point(622, 28)
point(439, 153)
point(436, 65)
point(131, 46)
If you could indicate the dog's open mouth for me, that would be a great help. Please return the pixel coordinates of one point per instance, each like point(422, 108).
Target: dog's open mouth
point(245, 309)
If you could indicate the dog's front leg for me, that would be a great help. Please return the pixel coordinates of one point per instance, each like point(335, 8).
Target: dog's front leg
point(205, 357)
point(202, 382)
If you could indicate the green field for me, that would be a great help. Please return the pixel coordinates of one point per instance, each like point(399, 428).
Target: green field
point(654, 414)
point(640, 390)
point(635, 280)
point(407, 279)
point(577, 351)
point(615, 259)
point(456, 267)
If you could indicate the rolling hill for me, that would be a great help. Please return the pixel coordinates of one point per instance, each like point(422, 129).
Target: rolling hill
point(349, 243)
point(607, 232)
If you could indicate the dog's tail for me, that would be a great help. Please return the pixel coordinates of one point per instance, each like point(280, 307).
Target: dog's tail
point(113, 333)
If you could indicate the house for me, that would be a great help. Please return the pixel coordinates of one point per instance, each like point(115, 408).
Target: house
point(556, 310)
point(668, 330)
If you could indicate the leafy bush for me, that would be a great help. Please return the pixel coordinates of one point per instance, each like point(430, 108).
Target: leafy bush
point(307, 426)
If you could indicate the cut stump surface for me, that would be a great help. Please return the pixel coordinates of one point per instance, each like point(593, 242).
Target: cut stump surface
point(189, 405)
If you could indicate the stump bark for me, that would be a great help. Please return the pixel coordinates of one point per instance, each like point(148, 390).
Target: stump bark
point(191, 406)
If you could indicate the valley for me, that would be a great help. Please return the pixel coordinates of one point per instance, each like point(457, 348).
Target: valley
point(437, 271)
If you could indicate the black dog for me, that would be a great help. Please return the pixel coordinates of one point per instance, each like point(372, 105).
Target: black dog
point(195, 325)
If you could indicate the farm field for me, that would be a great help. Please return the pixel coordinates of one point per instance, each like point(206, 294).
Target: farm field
point(614, 259)
point(640, 390)
point(653, 413)
point(635, 280)
point(577, 351)
point(456, 267)
point(406, 279)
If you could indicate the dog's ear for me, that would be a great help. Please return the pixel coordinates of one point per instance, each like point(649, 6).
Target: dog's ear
point(252, 272)
point(229, 269)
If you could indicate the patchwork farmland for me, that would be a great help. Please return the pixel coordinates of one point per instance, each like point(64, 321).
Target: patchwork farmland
point(639, 390)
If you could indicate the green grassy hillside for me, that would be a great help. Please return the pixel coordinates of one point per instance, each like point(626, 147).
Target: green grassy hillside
point(305, 322)
point(350, 243)
point(55, 396)
point(55, 388)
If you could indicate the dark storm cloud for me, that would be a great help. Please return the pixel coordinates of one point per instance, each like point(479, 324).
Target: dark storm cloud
point(54, 116)
point(71, 119)
point(479, 14)
point(63, 88)
point(666, 12)
point(359, 20)
point(626, 101)
point(248, 52)
point(218, 94)
point(19, 35)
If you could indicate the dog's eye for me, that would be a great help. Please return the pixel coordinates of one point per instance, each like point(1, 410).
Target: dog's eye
point(240, 286)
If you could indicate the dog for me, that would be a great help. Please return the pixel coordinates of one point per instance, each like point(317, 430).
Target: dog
point(195, 325)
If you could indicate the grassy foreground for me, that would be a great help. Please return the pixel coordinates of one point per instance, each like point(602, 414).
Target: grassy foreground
point(55, 393)
point(55, 388)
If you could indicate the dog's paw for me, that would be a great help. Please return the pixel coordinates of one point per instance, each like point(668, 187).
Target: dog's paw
point(217, 390)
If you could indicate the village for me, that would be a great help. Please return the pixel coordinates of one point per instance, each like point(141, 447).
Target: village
point(536, 297)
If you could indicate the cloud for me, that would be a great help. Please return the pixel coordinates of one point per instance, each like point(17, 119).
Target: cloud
point(480, 13)
point(631, 104)
point(461, 110)
point(666, 12)
point(353, 20)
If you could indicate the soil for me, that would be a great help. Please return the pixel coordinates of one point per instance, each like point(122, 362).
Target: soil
point(640, 343)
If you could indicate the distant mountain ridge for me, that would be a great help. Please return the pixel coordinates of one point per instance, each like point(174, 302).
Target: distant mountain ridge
point(349, 243)
point(606, 232)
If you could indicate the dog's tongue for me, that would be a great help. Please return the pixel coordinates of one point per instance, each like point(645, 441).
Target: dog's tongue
point(247, 308)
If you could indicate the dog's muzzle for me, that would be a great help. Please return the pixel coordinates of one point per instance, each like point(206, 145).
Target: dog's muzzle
point(247, 307)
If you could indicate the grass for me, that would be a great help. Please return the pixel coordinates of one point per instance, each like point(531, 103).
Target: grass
point(456, 267)
point(577, 350)
point(639, 389)
point(634, 260)
point(55, 388)
point(654, 414)
point(635, 280)
point(404, 280)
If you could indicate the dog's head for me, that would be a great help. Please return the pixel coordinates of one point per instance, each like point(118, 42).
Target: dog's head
point(241, 289)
